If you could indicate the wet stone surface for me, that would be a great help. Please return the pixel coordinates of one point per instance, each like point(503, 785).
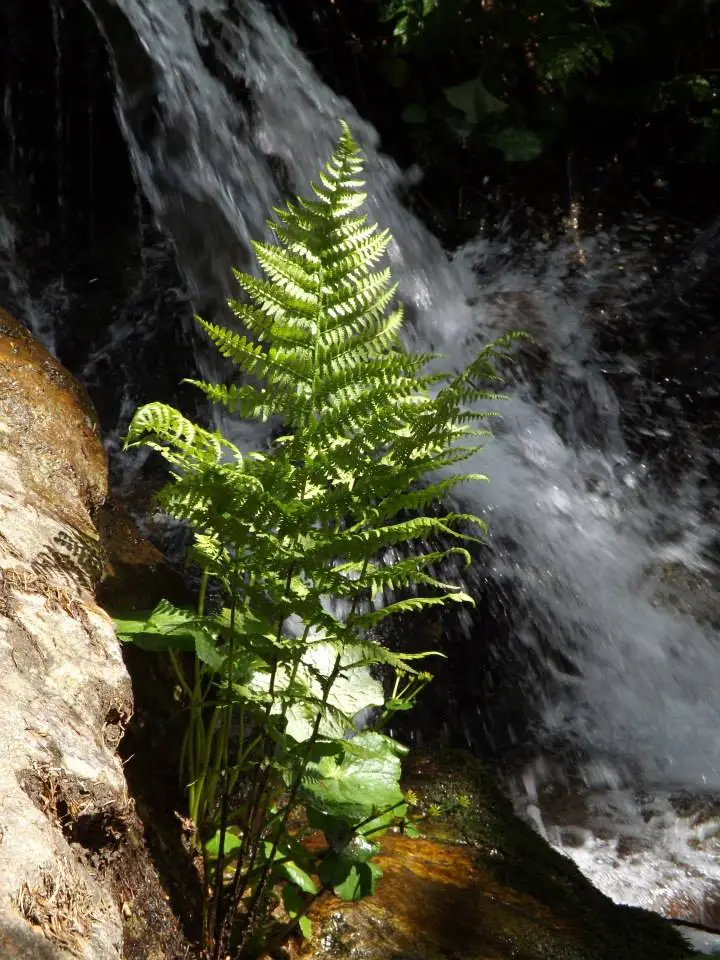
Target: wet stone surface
point(76, 878)
point(481, 885)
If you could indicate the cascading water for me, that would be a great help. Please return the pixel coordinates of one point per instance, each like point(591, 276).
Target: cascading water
point(39, 311)
point(568, 495)
point(223, 116)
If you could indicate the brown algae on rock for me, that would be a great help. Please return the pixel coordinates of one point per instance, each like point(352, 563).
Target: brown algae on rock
point(480, 885)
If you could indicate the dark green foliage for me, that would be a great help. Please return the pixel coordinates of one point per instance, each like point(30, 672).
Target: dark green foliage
point(509, 75)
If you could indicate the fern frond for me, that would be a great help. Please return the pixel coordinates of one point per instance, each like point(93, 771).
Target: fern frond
point(281, 363)
point(398, 575)
point(285, 270)
point(411, 605)
point(182, 442)
point(276, 300)
point(370, 654)
point(418, 500)
point(250, 402)
point(361, 541)
point(289, 330)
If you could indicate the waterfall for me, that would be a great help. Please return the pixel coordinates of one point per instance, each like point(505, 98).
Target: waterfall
point(39, 312)
point(602, 550)
point(223, 117)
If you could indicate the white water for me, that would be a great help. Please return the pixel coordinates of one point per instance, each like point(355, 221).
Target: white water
point(41, 310)
point(580, 511)
point(590, 532)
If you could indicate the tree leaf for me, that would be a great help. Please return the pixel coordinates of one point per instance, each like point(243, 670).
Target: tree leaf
point(518, 144)
point(414, 113)
point(474, 100)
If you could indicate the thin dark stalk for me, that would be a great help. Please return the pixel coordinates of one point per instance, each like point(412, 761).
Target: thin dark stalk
point(216, 917)
point(281, 936)
point(298, 779)
point(295, 789)
point(248, 852)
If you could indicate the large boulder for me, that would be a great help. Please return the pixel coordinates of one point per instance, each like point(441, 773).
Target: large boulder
point(48, 427)
point(65, 695)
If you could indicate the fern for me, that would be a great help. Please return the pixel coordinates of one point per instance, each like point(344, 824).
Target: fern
point(280, 533)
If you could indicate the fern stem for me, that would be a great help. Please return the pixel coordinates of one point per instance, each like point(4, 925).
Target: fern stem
point(298, 779)
point(216, 918)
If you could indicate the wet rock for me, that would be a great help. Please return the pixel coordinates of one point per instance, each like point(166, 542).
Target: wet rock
point(481, 884)
point(76, 874)
point(64, 692)
point(692, 592)
point(49, 427)
point(136, 574)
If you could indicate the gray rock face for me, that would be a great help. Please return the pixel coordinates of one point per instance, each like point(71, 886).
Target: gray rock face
point(64, 691)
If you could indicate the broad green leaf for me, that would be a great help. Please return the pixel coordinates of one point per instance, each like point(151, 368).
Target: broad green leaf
point(166, 627)
point(474, 100)
point(296, 875)
point(361, 785)
point(360, 849)
point(380, 824)
point(231, 843)
point(518, 144)
point(401, 27)
point(159, 642)
point(334, 869)
point(131, 625)
point(353, 692)
point(207, 652)
point(357, 884)
point(337, 832)
point(306, 927)
point(349, 879)
point(292, 901)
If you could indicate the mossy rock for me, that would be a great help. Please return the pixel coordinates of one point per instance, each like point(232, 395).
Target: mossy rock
point(475, 812)
point(480, 885)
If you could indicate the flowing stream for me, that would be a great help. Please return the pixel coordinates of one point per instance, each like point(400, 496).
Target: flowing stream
point(223, 116)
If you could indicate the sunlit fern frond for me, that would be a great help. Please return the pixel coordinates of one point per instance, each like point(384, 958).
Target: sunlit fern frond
point(182, 442)
point(369, 434)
